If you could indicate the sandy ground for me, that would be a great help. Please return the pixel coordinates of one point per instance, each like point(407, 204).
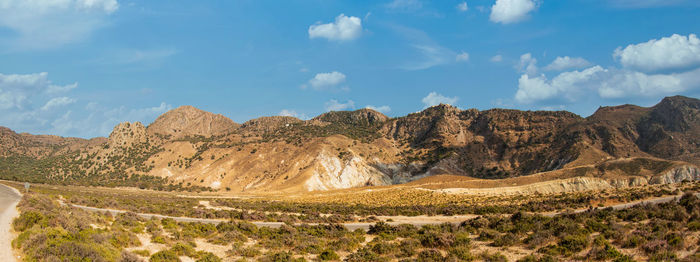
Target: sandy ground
point(9, 197)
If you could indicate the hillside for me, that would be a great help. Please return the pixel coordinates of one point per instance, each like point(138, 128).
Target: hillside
point(190, 148)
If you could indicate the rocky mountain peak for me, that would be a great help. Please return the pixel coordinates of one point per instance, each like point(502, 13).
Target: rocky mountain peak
point(190, 121)
point(362, 117)
point(268, 123)
point(677, 113)
point(126, 134)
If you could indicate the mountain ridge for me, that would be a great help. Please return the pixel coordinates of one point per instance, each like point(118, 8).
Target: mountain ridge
point(189, 147)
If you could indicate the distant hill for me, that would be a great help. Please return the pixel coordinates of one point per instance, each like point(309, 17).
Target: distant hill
point(188, 147)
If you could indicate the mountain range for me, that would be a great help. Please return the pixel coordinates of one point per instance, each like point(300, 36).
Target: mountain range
point(187, 148)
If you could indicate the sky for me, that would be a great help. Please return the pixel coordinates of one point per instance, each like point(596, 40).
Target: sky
point(79, 67)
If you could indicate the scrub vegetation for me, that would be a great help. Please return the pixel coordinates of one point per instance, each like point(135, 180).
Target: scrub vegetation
point(50, 231)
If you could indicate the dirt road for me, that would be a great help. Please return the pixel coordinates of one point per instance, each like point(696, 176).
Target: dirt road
point(9, 197)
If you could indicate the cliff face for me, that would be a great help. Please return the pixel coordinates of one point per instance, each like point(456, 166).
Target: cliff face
point(364, 147)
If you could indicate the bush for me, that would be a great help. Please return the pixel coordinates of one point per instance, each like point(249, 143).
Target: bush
point(328, 255)
point(430, 255)
point(278, 257)
point(208, 257)
point(495, 257)
point(573, 243)
point(246, 251)
point(461, 253)
point(363, 255)
point(26, 220)
point(694, 226)
point(434, 239)
point(507, 239)
point(408, 247)
point(182, 249)
point(462, 239)
point(655, 246)
point(164, 256)
point(128, 257)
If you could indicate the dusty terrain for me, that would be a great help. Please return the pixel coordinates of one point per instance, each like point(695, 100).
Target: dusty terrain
point(9, 197)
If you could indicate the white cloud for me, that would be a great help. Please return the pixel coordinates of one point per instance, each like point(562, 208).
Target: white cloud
point(674, 52)
point(381, 109)
point(604, 83)
point(292, 113)
point(462, 57)
point(511, 11)
point(57, 102)
point(528, 64)
point(429, 52)
point(434, 99)
point(334, 105)
point(344, 28)
point(497, 58)
point(50, 24)
point(433, 55)
point(667, 66)
point(326, 81)
point(563, 63)
point(61, 89)
point(404, 5)
point(533, 89)
point(32, 103)
point(462, 7)
point(16, 90)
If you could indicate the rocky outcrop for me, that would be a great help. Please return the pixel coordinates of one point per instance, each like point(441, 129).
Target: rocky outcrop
point(677, 175)
point(332, 172)
point(268, 124)
point(127, 134)
point(189, 121)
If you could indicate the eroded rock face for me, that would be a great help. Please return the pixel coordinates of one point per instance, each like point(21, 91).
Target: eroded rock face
point(332, 172)
point(677, 175)
point(127, 134)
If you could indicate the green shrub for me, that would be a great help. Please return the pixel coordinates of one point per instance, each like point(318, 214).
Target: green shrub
point(573, 243)
point(493, 257)
point(363, 255)
point(462, 239)
point(120, 238)
point(164, 256)
point(383, 248)
point(183, 249)
point(158, 239)
point(328, 255)
point(434, 239)
point(507, 239)
point(430, 255)
point(26, 220)
point(246, 251)
point(461, 253)
point(128, 257)
point(408, 247)
point(208, 257)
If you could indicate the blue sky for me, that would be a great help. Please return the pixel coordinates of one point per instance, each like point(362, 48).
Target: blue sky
point(78, 67)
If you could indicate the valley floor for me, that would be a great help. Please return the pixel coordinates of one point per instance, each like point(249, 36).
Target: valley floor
point(118, 223)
